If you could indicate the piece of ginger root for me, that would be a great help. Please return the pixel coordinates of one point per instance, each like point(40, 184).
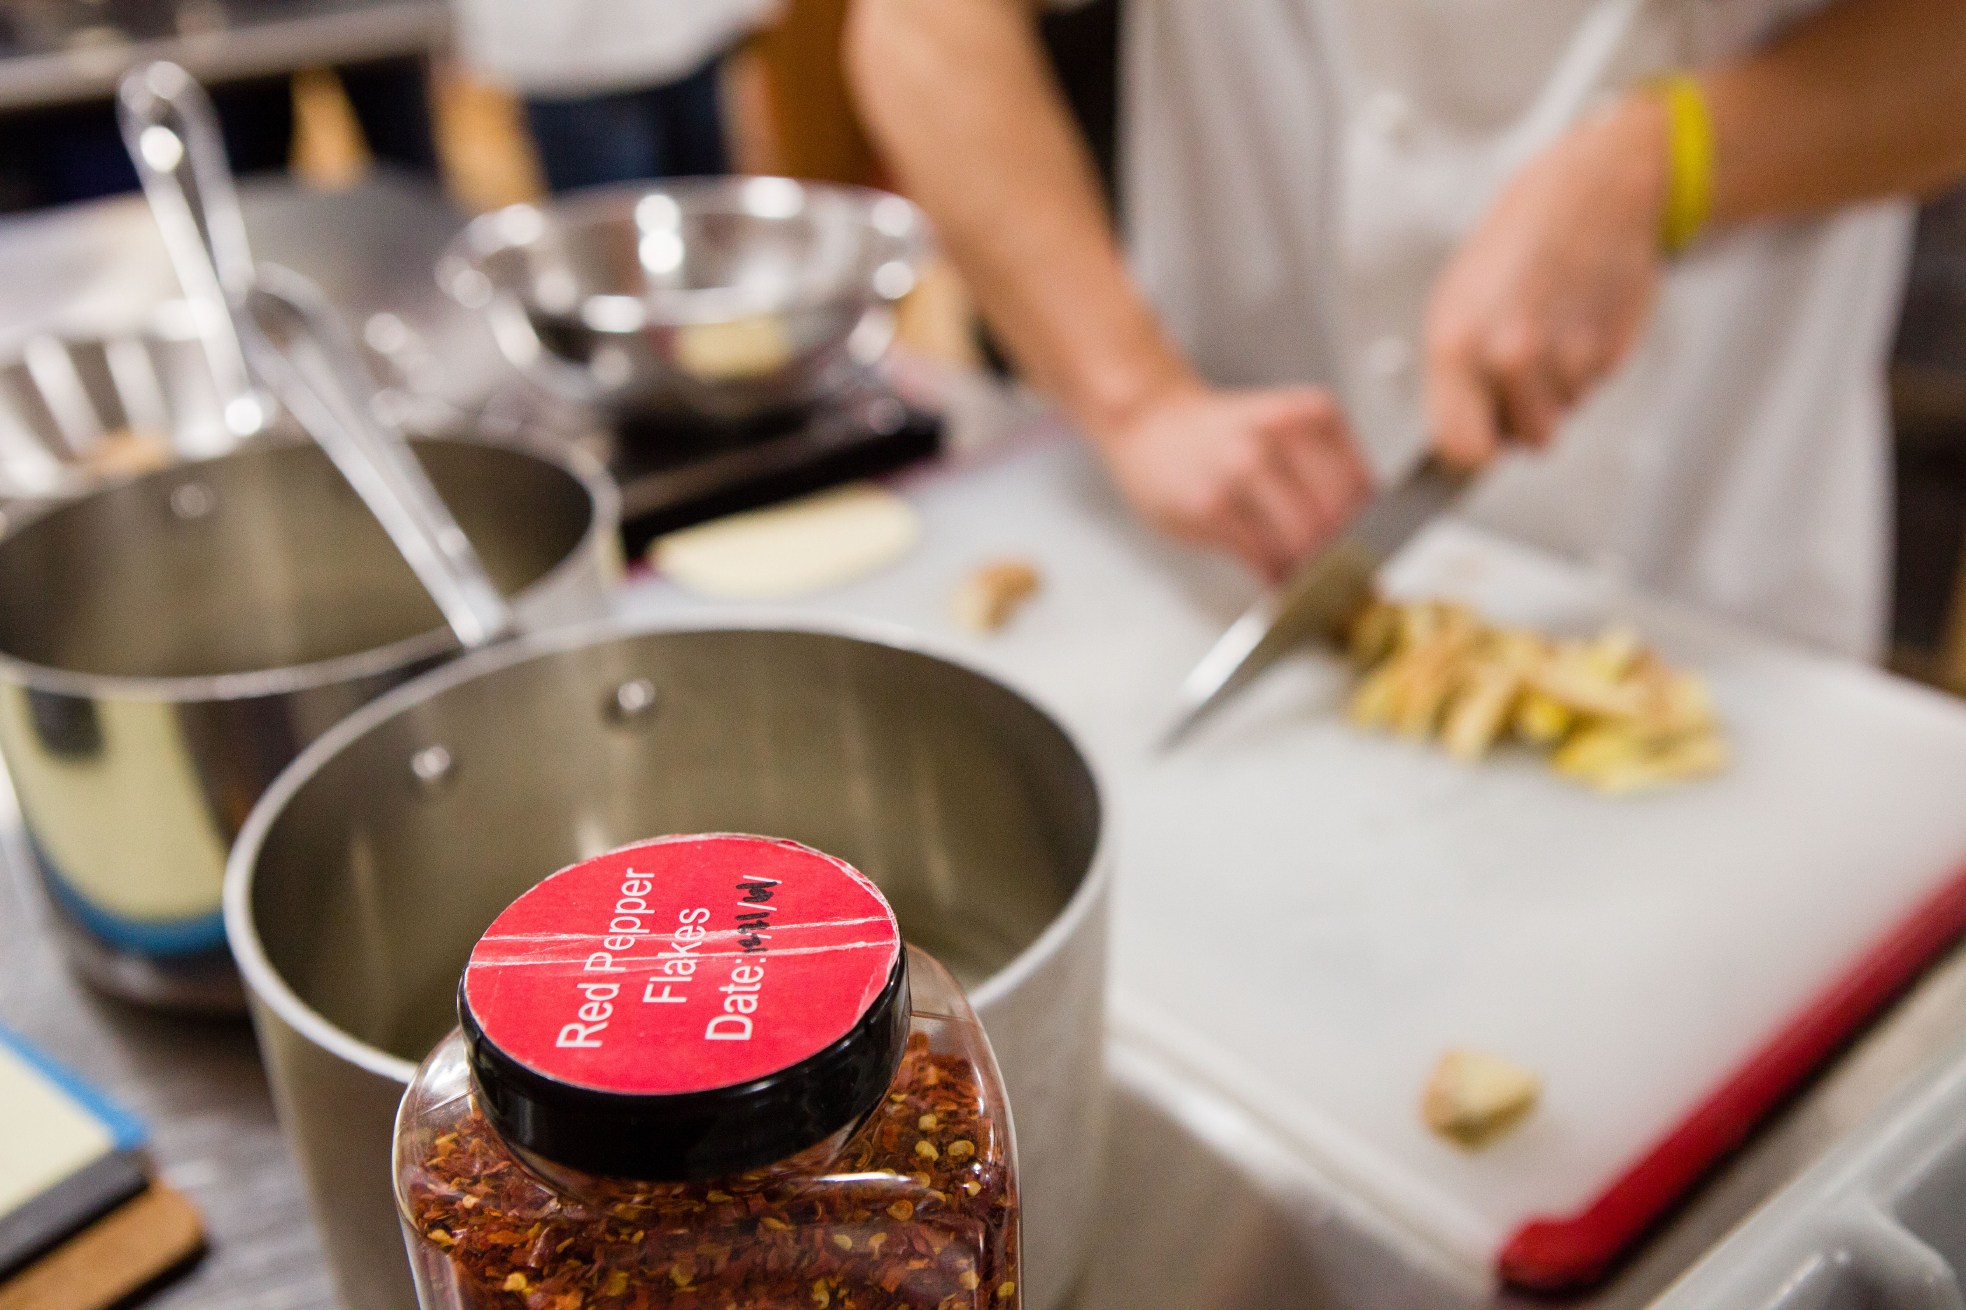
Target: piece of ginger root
point(990, 597)
point(1474, 1097)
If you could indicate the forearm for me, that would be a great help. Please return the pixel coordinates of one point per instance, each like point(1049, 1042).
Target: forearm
point(963, 107)
point(1863, 100)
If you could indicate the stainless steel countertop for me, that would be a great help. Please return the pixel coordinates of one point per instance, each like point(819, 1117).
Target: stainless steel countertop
point(55, 51)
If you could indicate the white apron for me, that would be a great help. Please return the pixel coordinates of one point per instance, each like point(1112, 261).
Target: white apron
point(1296, 173)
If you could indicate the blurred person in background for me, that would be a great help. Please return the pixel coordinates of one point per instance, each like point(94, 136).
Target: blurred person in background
point(614, 90)
point(75, 152)
point(1654, 237)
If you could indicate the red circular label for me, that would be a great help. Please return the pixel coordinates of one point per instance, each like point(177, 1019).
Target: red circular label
point(683, 964)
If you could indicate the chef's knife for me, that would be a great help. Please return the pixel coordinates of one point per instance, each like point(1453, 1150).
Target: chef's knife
point(1320, 597)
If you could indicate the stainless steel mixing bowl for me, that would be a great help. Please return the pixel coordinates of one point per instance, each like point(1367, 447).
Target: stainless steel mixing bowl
point(364, 877)
point(168, 644)
point(718, 297)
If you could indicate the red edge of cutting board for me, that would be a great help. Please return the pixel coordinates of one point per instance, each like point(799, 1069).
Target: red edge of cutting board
point(1556, 1255)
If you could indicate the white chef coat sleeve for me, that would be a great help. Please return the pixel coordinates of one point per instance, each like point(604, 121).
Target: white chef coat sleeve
point(587, 47)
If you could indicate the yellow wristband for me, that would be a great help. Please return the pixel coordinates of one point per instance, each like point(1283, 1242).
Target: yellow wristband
point(1689, 161)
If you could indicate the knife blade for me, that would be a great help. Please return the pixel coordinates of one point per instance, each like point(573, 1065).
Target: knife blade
point(1318, 599)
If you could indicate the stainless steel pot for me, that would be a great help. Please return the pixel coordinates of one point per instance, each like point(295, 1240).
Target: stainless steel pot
point(76, 411)
point(370, 868)
point(168, 644)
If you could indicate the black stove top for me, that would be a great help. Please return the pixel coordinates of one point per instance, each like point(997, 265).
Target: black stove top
point(678, 470)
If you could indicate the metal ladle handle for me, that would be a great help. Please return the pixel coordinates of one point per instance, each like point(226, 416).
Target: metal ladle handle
point(303, 347)
point(172, 134)
point(276, 326)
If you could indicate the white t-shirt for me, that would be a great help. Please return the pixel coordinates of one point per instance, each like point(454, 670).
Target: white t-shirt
point(1296, 173)
point(587, 47)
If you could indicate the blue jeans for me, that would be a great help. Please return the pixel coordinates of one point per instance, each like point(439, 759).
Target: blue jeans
point(675, 130)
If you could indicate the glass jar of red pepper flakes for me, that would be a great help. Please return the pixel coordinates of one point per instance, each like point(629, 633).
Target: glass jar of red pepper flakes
point(706, 1072)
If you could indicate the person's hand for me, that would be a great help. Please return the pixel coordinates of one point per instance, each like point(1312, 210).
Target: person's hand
point(1268, 475)
point(1550, 292)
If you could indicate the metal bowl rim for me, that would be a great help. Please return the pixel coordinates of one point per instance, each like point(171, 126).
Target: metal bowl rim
point(164, 323)
point(481, 238)
point(604, 514)
point(266, 986)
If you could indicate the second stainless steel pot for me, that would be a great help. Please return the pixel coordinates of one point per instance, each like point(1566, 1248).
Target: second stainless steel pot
point(168, 644)
point(361, 882)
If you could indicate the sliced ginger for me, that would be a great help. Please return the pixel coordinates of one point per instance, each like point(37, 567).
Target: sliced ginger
point(1612, 714)
point(990, 597)
point(1474, 1097)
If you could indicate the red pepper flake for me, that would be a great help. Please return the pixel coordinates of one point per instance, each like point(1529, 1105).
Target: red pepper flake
point(915, 1211)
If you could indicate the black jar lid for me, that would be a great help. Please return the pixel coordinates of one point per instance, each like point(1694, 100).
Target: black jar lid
point(686, 1008)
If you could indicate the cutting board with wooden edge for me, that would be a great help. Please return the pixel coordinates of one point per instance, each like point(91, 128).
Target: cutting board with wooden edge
point(1312, 915)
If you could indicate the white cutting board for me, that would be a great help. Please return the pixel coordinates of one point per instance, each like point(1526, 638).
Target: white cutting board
point(1313, 915)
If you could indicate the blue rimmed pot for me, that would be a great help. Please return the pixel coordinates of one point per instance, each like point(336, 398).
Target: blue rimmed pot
point(169, 643)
